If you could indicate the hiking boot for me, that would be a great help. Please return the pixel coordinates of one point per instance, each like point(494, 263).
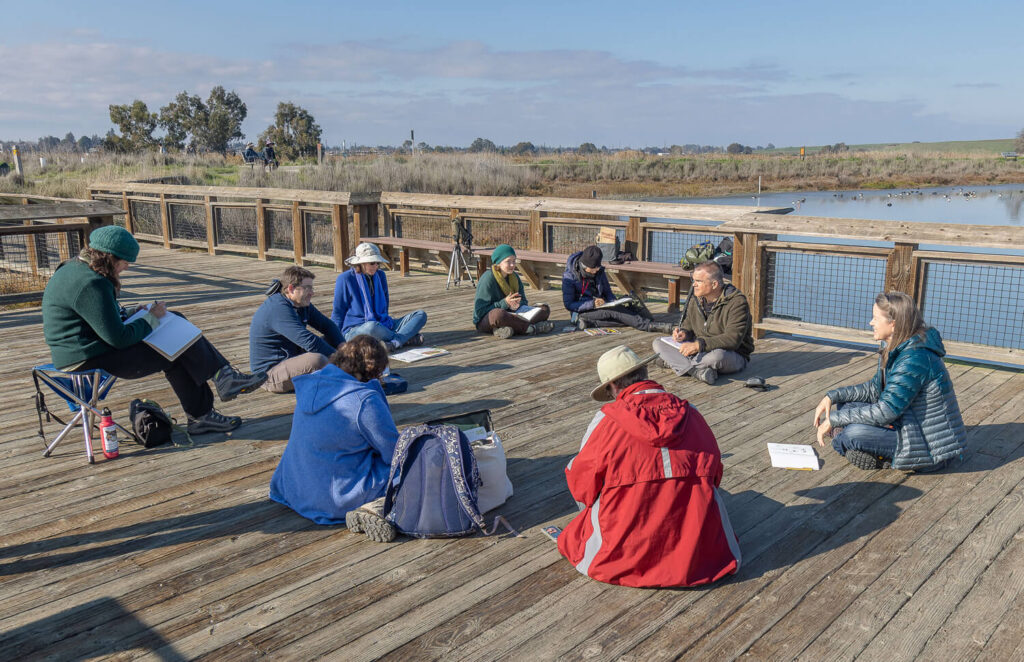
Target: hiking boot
point(369, 519)
point(505, 332)
point(661, 363)
point(707, 375)
point(866, 461)
point(582, 323)
point(544, 327)
point(213, 421)
point(416, 341)
point(230, 382)
point(664, 328)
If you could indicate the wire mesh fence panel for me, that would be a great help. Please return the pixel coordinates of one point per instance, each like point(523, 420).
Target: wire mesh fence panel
point(317, 226)
point(28, 261)
point(491, 232)
point(669, 246)
point(432, 228)
point(837, 290)
point(146, 217)
point(279, 229)
point(572, 238)
point(187, 221)
point(235, 226)
point(975, 303)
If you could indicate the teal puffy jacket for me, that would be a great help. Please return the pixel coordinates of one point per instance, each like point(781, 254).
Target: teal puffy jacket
point(915, 395)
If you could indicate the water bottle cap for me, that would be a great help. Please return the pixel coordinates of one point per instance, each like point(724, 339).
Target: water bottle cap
point(105, 412)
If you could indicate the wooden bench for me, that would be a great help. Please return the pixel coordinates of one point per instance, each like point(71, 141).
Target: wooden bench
point(404, 246)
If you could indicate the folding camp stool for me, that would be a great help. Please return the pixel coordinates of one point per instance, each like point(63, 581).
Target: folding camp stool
point(81, 391)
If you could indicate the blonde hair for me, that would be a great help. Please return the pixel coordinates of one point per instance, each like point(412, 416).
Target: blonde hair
point(905, 316)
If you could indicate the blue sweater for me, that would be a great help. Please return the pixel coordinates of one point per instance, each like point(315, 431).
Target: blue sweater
point(339, 452)
point(278, 332)
point(351, 300)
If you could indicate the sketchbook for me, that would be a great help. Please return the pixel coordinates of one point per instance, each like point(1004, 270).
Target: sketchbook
point(172, 336)
point(793, 456)
point(418, 354)
point(528, 313)
point(612, 304)
point(671, 343)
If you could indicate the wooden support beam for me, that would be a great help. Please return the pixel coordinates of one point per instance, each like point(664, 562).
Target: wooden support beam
point(403, 264)
point(30, 250)
point(536, 231)
point(339, 234)
point(622, 280)
point(674, 285)
point(750, 274)
point(129, 218)
point(483, 263)
point(298, 236)
point(531, 275)
point(165, 220)
point(261, 229)
point(901, 270)
point(211, 235)
point(358, 221)
point(634, 238)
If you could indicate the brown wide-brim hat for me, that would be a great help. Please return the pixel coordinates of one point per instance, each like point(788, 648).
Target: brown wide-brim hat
point(616, 362)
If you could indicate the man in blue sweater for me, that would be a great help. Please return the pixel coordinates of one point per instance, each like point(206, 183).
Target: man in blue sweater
point(279, 342)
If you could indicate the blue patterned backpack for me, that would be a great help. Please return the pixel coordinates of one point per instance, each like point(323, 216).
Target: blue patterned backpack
point(433, 486)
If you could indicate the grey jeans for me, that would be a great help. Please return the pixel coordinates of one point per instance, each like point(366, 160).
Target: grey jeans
point(279, 378)
point(723, 361)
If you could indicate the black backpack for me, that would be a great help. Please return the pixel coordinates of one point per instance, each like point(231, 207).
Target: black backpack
point(150, 423)
point(723, 255)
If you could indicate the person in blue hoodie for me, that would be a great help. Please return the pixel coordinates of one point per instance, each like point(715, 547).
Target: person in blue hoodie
point(585, 288)
point(280, 343)
point(338, 456)
point(907, 416)
point(361, 303)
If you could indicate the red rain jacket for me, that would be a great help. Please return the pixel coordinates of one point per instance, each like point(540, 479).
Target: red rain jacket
point(646, 479)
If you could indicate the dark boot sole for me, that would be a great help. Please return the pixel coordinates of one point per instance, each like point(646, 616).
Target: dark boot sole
point(866, 461)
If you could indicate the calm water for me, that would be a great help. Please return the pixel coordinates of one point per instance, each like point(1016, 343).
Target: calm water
point(969, 303)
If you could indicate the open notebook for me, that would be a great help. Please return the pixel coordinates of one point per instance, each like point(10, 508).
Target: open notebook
point(172, 337)
point(528, 313)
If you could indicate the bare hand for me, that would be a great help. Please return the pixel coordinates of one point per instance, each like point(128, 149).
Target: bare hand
point(823, 430)
point(159, 309)
point(678, 335)
point(598, 302)
point(513, 300)
point(689, 348)
point(822, 410)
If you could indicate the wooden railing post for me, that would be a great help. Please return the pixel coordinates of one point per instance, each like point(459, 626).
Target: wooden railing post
point(386, 218)
point(339, 231)
point(750, 274)
point(901, 270)
point(261, 229)
point(211, 242)
point(298, 236)
point(129, 220)
point(30, 250)
point(165, 220)
point(536, 232)
point(63, 245)
point(634, 240)
point(358, 221)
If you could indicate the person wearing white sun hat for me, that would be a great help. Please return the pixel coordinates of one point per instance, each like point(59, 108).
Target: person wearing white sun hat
point(361, 302)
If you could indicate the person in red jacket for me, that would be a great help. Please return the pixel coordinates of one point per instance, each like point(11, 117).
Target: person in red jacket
point(646, 480)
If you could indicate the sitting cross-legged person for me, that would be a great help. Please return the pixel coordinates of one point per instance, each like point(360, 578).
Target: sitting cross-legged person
point(585, 289)
point(499, 294)
point(86, 330)
point(362, 302)
point(280, 343)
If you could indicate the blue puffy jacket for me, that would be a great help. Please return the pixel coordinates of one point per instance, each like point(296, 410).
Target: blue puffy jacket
point(915, 395)
point(577, 297)
point(339, 452)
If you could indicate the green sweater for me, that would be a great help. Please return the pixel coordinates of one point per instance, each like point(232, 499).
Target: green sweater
point(81, 317)
point(489, 296)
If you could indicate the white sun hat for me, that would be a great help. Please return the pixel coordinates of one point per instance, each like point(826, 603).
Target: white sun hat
point(366, 252)
point(615, 363)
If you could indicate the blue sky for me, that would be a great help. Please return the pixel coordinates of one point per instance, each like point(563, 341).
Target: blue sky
point(616, 74)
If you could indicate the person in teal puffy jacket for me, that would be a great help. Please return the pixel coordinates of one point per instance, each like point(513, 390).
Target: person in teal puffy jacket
point(907, 416)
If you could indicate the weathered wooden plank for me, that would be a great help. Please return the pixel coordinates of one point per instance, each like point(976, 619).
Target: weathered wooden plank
point(42, 212)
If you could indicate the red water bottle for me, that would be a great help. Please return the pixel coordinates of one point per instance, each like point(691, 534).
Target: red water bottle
point(108, 433)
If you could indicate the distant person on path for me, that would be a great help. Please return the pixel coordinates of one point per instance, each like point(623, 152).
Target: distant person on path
point(499, 294)
point(269, 155)
point(338, 456)
point(907, 416)
point(280, 343)
point(250, 155)
point(714, 332)
point(362, 303)
point(646, 481)
point(585, 288)
point(85, 331)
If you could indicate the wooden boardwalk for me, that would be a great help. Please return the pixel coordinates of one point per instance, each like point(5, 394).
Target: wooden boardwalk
point(177, 553)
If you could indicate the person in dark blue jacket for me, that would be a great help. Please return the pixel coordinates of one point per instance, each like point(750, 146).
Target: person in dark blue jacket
point(361, 303)
point(907, 416)
point(585, 288)
point(279, 342)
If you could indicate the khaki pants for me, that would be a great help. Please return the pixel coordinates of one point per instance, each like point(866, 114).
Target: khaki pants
point(279, 378)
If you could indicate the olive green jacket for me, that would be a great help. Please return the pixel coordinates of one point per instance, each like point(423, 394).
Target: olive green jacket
point(727, 326)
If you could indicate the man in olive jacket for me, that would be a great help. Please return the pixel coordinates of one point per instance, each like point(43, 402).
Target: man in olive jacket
point(714, 332)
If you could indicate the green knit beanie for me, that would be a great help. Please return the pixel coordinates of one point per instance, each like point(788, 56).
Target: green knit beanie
point(115, 240)
point(501, 252)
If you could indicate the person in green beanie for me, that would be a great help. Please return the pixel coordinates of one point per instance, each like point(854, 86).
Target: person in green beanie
point(84, 327)
point(499, 294)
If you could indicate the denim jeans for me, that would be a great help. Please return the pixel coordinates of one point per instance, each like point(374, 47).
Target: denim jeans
point(868, 438)
point(405, 328)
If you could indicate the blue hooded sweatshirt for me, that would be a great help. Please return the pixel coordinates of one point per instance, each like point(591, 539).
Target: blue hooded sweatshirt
point(352, 300)
point(339, 452)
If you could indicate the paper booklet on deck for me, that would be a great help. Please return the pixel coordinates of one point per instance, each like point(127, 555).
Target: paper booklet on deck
point(671, 343)
point(528, 313)
point(418, 354)
point(793, 456)
point(173, 336)
point(617, 302)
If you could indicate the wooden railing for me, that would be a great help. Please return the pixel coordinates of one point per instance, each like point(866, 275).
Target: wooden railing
point(794, 286)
